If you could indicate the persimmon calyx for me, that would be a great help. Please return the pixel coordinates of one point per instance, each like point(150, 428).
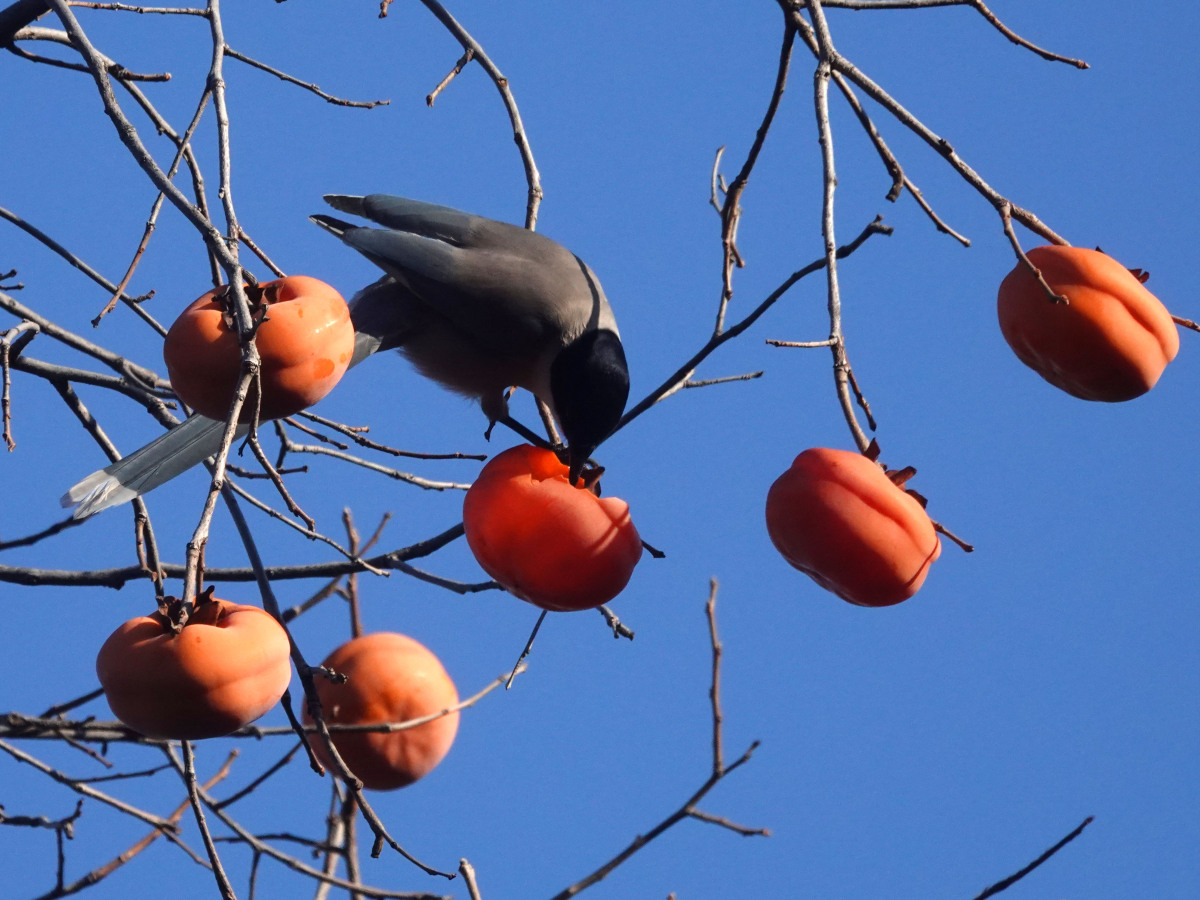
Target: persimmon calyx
point(176, 614)
point(173, 614)
point(899, 477)
point(258, 298)
point(1140, 274)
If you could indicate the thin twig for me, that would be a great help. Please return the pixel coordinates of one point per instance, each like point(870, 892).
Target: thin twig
point(276, 479)
point(12, 342)
point(714, 691)
point(743, 830)
point(395, 474)
point(840, 64)
point(250, 788)
point(1020, 41)
point(520, 666)
point(355, 433)
point(1185, 323)
point(828, 342)
point(151, 222)
point(308, 86)
point(193, 789)
point(1008, 882)
point(159, 10)
point(688, 809)
point(114, 361)
point(532, 178)
point(468, 873)
point(731, 212)
point(685, 371)
point(296, 865)
point(118, 577)
point(619, 629)
point(841, 359)
point(149, 818)
point(60, 708)
point(101, 872)
point(727, 379)
point(453, 73)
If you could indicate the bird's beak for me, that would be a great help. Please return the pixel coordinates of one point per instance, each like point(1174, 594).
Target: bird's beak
point(575, 466)
point(578, 468)
point(577, 460)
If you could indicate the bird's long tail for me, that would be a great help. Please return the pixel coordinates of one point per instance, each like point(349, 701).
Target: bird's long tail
point(143, 470)
point(380, 320)
point(162, 459)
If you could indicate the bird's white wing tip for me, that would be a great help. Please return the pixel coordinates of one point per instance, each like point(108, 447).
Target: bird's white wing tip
point(97, 492)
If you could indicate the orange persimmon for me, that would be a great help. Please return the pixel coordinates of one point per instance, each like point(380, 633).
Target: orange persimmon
point(556, 545)
point(1110, 341)
point(837, 517)
point(305, 343)
point(389, 678)
point(227, 666)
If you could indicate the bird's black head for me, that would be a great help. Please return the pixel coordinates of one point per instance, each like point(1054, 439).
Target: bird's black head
point(590, 384)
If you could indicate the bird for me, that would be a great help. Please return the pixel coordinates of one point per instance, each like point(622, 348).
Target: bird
point(477, 305)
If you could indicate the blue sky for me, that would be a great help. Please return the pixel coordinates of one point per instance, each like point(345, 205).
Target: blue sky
point(925, 750)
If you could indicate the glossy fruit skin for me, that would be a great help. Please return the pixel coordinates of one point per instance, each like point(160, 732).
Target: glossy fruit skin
point(228, 666)
point(390, 678)
point(559, 547)
point(838, 518)
point(1111, 342)
point(305, 344)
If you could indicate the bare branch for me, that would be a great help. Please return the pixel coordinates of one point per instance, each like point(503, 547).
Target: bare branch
point(12, 342)
point(718, 773)
point(100, 873)
point(193, 789)
point(162, 824)
point(684, 372)
point(468, 873)
point(532, 177)
point(1008, 882)
point(458, 67)
point(840, 64)
point(1020, 41)
point(731, 211)
point(355, 433)
point(329, 98)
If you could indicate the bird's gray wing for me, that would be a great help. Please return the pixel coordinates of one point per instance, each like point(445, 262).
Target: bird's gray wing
point(414, 216)
point(510, 290)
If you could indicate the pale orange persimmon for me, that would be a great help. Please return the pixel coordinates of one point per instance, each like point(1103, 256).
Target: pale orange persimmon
point(305, 344)
point(837, 517)
point(227, 667)
point(389, 678)
point(554, 544)
point(1110, 341)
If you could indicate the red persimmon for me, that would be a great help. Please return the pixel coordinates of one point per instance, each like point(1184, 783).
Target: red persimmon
point(1110, 341)
point(554, 544)
point(837, 517)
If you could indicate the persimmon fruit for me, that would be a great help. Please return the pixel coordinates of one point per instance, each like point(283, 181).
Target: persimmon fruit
point(551, 543)
point(839, 518)
point(227, 667)
point(1110, 341)
point(389, 678)
point(305, 342)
